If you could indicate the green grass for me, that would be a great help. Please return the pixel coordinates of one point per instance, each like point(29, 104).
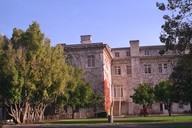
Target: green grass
point(128, 120)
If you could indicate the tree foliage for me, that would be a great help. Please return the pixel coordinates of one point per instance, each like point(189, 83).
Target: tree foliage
point(96, 101)
point(143, 95)
point(32, 73)
point(78, 93)
point(177, 35)
point(165, 93)
point(181, 77)
point(177, 29)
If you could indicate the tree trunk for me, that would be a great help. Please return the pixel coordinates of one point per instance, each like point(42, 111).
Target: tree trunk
point(144, 110)
point(95, 111)
point(42, 112)
point(73, 114)
point(16, 120)
point(110, 117)
point(14, 111)
point(26, 109)
point(191, 106)
point(39, 112)
point(169, 108)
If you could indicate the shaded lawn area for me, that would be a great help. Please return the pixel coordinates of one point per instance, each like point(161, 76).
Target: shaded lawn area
point(127, 120)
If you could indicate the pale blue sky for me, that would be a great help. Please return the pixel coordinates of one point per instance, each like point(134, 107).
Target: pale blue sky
point(114, 22)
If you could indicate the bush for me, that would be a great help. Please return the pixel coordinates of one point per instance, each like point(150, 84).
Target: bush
point(187, 112)
point(101, 115)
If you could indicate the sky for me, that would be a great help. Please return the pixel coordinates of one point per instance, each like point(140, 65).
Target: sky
point(114, 22)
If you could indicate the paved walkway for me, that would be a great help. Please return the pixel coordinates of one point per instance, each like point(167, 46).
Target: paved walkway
point(155, 125)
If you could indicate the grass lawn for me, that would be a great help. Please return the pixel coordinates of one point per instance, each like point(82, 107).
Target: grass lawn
point(127, 120)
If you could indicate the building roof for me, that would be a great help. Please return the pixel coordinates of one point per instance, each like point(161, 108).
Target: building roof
point(83, 46)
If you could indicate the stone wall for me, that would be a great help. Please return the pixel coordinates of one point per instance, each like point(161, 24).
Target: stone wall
point(139, 57)
point(107, 60)
point(78, 57)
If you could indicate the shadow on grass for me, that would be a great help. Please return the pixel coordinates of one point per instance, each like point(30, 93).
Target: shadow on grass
point(72, 122)
point(129, 120)
point(100, 121)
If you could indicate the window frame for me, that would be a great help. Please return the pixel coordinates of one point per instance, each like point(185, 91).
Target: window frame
point(118, 70)
point(165, 65)
point(181, 106)
point(128, 70)
point(117, 54)
point(128, 53)
point(146, 52)
point(147, 68)
point(160, 68)
point(118, 91)
point(91, 61)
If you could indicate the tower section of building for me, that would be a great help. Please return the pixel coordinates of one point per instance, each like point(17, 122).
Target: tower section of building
point(95, 61)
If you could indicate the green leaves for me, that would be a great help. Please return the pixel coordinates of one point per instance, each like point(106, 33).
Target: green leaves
point(31, 71)
point(164, 91)
point(177, 31)
point(181, 77)
point(143, 94)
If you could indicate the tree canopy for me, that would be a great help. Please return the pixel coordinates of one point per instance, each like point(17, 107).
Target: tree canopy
point(177, 29)
point(165, 93)
point(143, 95)
point(181, 77)
point(177, 35)
point(32, 73)
point(78, 94)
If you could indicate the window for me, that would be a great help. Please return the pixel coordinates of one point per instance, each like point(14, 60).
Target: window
point(116, 54)
point(165, 66)
point(150, 106)
point(91, 61)
point(118, 91)
point(128, 54)
point(146, 52)
point(160, 68)
point(128, 69)
point(147, 68)
point(117, 70)
point(180, 105)
point(166, 106)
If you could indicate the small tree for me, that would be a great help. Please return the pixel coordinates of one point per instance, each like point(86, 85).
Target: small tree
point(164, 92)
point(79, 98)
point(96, 101)
point(143, 95)
point(77, 93)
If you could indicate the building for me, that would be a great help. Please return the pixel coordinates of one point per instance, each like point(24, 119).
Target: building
point(121, 70)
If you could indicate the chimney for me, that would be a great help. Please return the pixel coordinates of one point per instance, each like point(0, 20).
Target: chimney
point(134, 45)
point(85, 39)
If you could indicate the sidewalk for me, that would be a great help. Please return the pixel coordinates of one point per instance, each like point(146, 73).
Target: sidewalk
point(151, 125)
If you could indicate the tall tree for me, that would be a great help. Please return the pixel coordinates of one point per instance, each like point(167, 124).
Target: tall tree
point(177, 29)
point(11, 82)
point(32, 74)
point(164, 92)
point(144, 95)
point(181, 77)
point(177, 35)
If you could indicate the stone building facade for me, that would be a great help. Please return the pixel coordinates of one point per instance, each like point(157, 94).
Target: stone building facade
point(122, 70)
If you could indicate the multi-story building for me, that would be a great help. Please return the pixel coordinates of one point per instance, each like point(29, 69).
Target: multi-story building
point(121, 70)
